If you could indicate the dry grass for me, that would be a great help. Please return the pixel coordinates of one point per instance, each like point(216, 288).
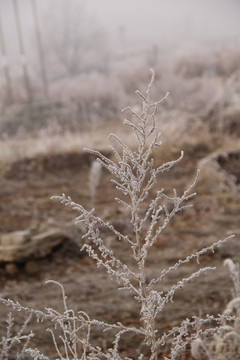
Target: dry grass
point(180, 130)
point(14, 149)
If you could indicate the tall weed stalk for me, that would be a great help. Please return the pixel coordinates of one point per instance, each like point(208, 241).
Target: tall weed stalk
point(136, 178)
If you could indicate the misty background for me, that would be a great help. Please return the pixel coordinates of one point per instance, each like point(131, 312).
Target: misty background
point(78, 54)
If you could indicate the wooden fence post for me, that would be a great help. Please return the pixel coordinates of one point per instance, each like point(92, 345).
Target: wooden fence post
point(22, 52)
point(40, 50)
point(5, 66)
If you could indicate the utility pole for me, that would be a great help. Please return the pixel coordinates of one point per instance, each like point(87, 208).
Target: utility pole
point(5, 66)
point(40, 50)
point(22, 52)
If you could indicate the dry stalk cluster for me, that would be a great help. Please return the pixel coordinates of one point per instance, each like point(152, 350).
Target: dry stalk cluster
point(94, 179)
point(135, 176)
point(224, 342)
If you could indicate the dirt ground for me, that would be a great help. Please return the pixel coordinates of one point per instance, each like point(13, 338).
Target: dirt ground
point(25, 190)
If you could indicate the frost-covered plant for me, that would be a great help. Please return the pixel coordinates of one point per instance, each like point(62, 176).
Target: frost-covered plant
point(136, 178)
point(14, 344)
point(225, 342)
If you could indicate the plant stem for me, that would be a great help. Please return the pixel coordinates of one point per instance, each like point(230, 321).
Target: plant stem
point(142, 284)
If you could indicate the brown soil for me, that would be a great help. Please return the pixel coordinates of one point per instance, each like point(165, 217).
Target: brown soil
point(26, 187)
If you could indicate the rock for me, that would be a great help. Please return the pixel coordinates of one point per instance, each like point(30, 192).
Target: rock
point(16, 248)
point(32, 267)
point(11, 269)
point(16, 238)
point(45, 242)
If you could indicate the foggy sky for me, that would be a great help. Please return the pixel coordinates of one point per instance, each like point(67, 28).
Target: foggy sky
point(139, 21)
point(159, 19)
